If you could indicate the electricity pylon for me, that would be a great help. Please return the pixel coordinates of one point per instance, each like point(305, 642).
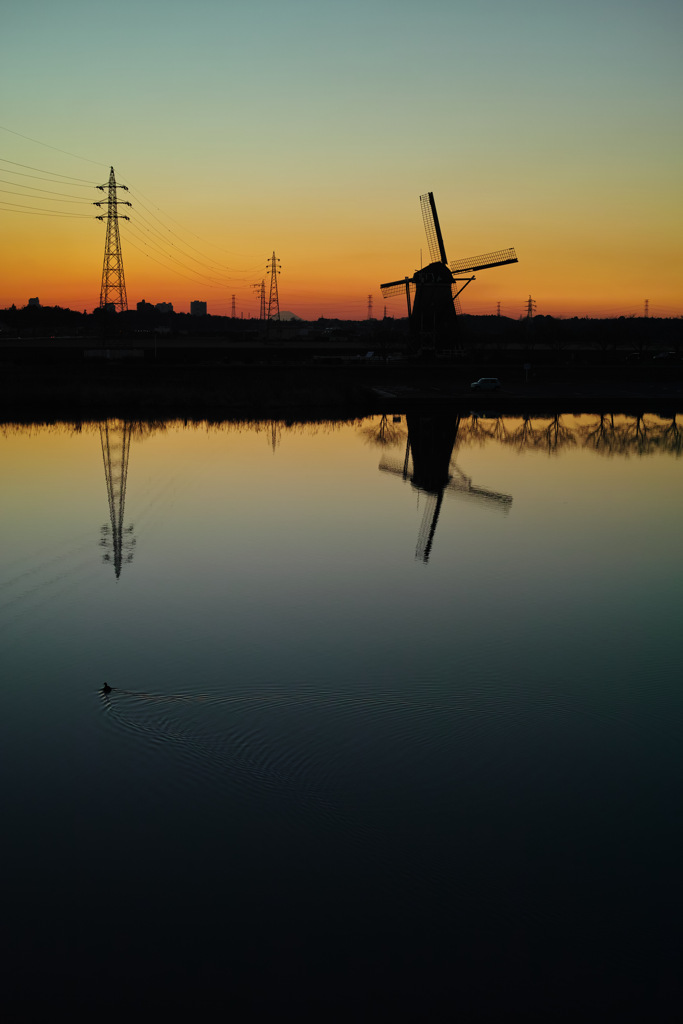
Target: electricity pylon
point(260, 290)
point(273, 300)
point(113, 289)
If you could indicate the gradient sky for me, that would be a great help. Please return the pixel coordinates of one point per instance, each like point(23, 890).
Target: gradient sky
point(311, 129)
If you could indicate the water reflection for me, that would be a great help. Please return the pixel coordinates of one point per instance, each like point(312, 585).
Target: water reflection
point(116, 538)
point(429, 464)
point(295, 738)
point(604, 433)
point(430, 441)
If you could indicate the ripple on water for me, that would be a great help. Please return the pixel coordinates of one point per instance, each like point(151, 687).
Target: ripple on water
point(363, 766)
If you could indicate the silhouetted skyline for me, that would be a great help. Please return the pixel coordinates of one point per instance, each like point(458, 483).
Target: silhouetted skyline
point(313, 129)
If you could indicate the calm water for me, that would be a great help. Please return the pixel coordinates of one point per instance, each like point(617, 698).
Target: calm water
point(392, 718)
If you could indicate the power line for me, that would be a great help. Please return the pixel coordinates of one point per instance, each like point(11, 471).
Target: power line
point(35, 177)
point(216, 263)
point(209, 263)
point(35, 188)
point(156, 231)
point(198, 276)
point(9, 192)
point(154, 243)
point(172, 270)
point(44, 213)
point(99, 163)
point(137, 194)
point(56, 174)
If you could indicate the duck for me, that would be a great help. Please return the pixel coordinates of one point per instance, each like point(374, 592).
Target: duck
point(106, 688)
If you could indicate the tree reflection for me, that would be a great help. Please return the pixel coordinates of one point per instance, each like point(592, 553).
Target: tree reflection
point(599, 436)
point(672, 437)
point(384, 433)
point(554, 436)
point(604, 433)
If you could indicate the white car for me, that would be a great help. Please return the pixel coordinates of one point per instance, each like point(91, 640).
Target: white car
point(485, 384)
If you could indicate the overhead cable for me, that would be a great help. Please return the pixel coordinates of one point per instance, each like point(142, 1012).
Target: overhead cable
point(55, 174)
point(86, 159)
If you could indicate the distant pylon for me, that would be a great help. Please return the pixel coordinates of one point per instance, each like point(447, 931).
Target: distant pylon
point(498, 311)
point(233, 307)
point(113, 288)
point(647, 308)
point(273, 299)
point(369, 307)
point(530, 308)
point(261, 292)
point(115, 439)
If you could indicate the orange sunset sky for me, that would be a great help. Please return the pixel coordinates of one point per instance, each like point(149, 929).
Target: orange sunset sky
point(311, 129)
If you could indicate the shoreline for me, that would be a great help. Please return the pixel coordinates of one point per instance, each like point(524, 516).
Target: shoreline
point(219, 393)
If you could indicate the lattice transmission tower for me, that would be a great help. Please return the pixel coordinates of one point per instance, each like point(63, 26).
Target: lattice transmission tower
point(260, 290)
point(113, 289)
point(273, 266)
point(530, 308)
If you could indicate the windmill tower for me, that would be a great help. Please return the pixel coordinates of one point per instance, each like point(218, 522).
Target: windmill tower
point(434, 288)
point(113, 288)
point(117, 539)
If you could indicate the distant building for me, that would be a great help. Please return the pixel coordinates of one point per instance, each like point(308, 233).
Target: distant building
point(198, 308)
point(145, 307)
point(34, 302)
point(164, 307)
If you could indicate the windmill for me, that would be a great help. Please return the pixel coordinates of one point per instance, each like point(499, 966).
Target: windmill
point(434, 288)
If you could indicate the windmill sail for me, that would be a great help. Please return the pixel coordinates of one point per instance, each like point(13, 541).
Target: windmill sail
point(437, 251)
point(397, 287)
point(489, 259)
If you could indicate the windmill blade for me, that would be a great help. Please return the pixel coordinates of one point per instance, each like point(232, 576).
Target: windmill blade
point(430, 518)
point(437, 252)
point(488, 259)
point(460, 485)
point(481, 496)
point(397, 287)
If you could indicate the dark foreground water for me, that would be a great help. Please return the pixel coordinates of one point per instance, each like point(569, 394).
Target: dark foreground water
point(389, 726)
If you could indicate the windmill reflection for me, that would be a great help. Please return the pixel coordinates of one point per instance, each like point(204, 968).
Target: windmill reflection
point(116, 538)
point(430, 466)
